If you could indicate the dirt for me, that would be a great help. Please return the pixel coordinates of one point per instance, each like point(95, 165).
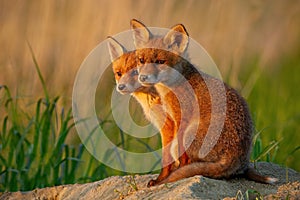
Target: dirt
point(197, 187)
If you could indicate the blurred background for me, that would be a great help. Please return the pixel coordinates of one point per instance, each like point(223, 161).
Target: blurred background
point(255, 44)
point(63, 33)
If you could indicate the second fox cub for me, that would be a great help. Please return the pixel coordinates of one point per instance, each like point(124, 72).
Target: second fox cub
point(182, 89)
point(125, 69)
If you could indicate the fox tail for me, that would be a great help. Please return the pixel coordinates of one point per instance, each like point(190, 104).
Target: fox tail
point(252, 174)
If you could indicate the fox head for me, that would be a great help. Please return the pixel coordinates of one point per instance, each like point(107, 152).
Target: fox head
point(159, 57)
point(124, 67)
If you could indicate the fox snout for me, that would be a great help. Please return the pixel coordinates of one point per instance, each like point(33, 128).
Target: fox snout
point(146, 79)
point(128, 82)
point(148, 74)
point(127, 88)
point(121, 87)
point(143, 78)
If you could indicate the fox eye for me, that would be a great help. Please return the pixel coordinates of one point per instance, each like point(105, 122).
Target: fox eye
point(134, 72)
point(119, 73)
point(142, 61)
point(160, 61)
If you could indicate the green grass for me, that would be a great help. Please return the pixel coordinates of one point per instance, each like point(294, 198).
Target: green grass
point(33, 153)
point(33, 147)
point(275, 106)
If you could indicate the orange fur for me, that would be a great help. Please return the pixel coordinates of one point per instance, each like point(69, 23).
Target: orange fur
point(161, 65)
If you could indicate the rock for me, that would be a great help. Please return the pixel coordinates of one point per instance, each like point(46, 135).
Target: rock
point(197, 187)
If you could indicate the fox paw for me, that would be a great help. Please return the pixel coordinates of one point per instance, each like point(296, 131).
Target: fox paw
point(151, 183)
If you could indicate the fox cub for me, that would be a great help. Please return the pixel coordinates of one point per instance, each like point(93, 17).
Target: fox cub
point(125, 70)
point(193, 102)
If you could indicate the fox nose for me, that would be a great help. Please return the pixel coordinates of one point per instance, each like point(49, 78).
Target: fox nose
point(143, 78)
point(121, 87)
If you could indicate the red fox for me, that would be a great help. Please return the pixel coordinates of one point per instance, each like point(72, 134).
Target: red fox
point(160, 65)
point(125, 70)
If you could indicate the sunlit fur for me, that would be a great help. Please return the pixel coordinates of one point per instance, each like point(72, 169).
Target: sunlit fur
point(159, 60)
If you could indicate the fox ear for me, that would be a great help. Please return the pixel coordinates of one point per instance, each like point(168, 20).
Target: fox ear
point(141, 34)
point(177, 38)
point(115, 48)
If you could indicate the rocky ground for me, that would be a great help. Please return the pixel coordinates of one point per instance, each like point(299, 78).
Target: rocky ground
point(197, 187)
